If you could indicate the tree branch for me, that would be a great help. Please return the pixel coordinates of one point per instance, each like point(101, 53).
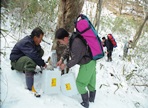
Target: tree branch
point(140, 85)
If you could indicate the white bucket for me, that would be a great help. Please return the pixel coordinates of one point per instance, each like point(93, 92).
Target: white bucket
point(51, 81)
point(68, 85)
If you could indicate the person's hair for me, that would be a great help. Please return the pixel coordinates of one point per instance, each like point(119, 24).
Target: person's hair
point(36, 32)
point(103, 38)
point(130, 41)
point(61, 33)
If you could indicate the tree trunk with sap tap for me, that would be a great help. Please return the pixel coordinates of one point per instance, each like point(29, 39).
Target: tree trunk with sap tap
point(68, 12)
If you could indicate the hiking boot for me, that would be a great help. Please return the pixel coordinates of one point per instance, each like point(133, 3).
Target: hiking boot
point(92, 95)
point(110, 58)
point(85, 99)
point(107, 60)
point(12, 68)
point(33, 89)
point(35, 93)
point(29, 83)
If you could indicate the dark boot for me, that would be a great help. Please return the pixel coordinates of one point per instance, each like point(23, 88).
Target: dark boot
point(110, 58)
point(29, 80)
point(92, 96)
point(107, 59)
point(85, 99)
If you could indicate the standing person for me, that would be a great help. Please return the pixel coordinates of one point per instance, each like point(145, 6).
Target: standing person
point(109, 46)
point(127, 45)
point(79, 55)
point(26, 54)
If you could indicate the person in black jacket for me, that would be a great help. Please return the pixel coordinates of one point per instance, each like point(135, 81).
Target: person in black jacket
point(109, 46)
point(26, 54)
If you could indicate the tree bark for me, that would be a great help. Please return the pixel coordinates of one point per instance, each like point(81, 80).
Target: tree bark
point(98, 14)
point(68, 11)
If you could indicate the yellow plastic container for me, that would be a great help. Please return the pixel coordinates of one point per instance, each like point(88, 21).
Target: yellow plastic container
point(51, 81)
point(68, 85)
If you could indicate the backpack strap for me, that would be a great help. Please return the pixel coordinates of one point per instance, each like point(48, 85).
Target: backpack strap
point(73, 36)
point(78, 35)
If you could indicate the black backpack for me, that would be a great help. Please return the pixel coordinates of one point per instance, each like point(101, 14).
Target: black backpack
point(77, 35)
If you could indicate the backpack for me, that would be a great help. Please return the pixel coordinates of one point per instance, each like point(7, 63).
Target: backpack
point(77, 35)
point(112, 40)
point(87, 33)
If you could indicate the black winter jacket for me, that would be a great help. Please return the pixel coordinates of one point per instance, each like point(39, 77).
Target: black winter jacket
point(27, 47)
point(109, 45)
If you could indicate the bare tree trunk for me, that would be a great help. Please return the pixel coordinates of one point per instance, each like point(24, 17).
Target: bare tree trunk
point(98, 14)
point(120, 7)
point(68, 11)
point(138, 33)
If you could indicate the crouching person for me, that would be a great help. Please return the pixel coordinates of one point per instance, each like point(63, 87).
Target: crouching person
point(79, 54)
point(26, 55)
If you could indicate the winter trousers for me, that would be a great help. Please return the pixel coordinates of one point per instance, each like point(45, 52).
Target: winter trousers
point(27, 65)
point(109, 55)
point(86, 77)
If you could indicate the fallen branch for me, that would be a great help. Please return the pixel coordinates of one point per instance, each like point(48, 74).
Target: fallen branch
point(146, 85)
point(101, 65)
point(136, 89)
point(123, 70)
point(103, 85)
point(117, 87)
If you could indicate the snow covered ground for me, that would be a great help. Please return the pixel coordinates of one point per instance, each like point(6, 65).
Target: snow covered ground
point(109, 75)
point(113, 90)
